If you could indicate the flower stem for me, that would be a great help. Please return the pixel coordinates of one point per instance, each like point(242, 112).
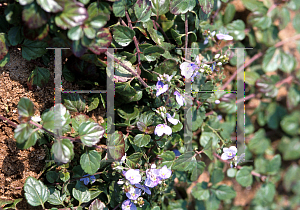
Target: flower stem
point(213, 130)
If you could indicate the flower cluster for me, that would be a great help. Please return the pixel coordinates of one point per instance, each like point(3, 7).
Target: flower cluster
point(137, 183)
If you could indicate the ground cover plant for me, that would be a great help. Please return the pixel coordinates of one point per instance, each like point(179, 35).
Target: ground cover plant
point(145, 160)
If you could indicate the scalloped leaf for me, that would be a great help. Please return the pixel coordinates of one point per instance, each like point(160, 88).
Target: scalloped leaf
point(36, 193)
point(102, 40)
point(97, 205)
point(74, 14)
point(15, 35)
point(33, 16)
point(90, 161)
point(116, 145)
point(123, 35)
point(142, 10)
point(73, 102)
point(33, 49)
point(77, 48)
point(90, 133)
point(63, 150)
point(160, 7)
point(3, 46)
point(25, 107)
point(36, 34)
point(25, 136)
point(50, 5)
point(39, 76)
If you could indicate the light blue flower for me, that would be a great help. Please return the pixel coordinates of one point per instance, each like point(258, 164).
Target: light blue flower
point(88, 179)
point(164, 172)
point(161, 129)
point(188, 69)
point(128, 205)
point(165, 77)
point(179, 98)
point(153, 178)
point(133, 176)
point(172, 119)
point(224, 36)
point(144, 188)
point(229, 153)
point(161, 88)
point(134, 193)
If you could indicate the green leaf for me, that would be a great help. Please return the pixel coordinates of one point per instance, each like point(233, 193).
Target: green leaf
point(133, 159)
point(293, 97)
point(273, 114)
point(284, 17)
point(78, 48)
point(266, 193)
point(296, 23)
point(253, 5)
point(237, 29)
point(25, 2)
point(74, 14)
point(97, 205)
point(225, 192)
point(119, 8)
point(251, 77)
point(213, 202)
point(15, 35)
point(178, 7)
point(274, 165)
point(197, 171)
point(231, 172)
point(3, 46)
point(160, 7)
point(13, 14)
point(90, 161)
point(200, 191)
point(33, 49)
point(5, 60)
point(93, 103)
point(123, 35)
point(168, 158)
point(290, 123)
point(25, 136)
point(292, 149)
point(75, 33)
point(142, 10)
point(229, 13)
point(73, 102)
point(288, 62)
point(116, 145)
point(55, 198)
point(258, 144)
point(103, 39)
point(291, 176)
point(141, 140)
point(90, 133)
point(51, 176)
point(81, 193)
point(36, 193)
point(206, 5)
point(206, 136)
point(63, 150)
point(217, 176)
point(208, 149)
point(25, 107)
point(33, 16)
point(125, 89)
point(175, 34)
point(153, 52)
point(39, 77)
point(185, 162)
point(271, 60)
point(244, 176)
point(67, 74)
point(50, 5)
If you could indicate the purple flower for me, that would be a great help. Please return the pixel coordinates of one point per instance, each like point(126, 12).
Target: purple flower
point(161, 88)
point(164, 172)
point(162, 129)
point(229, 153)
point(144, 188)
point(172, 119)
point(153, 178)
point(128, 205)
point(88, 179)
point(133, 176)
point(179, 98)
point(133, 193)
point(187, 69)
point(224, 36)
point(165, 77)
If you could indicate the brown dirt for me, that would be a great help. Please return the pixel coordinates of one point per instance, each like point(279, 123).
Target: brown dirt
point(15, 164)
